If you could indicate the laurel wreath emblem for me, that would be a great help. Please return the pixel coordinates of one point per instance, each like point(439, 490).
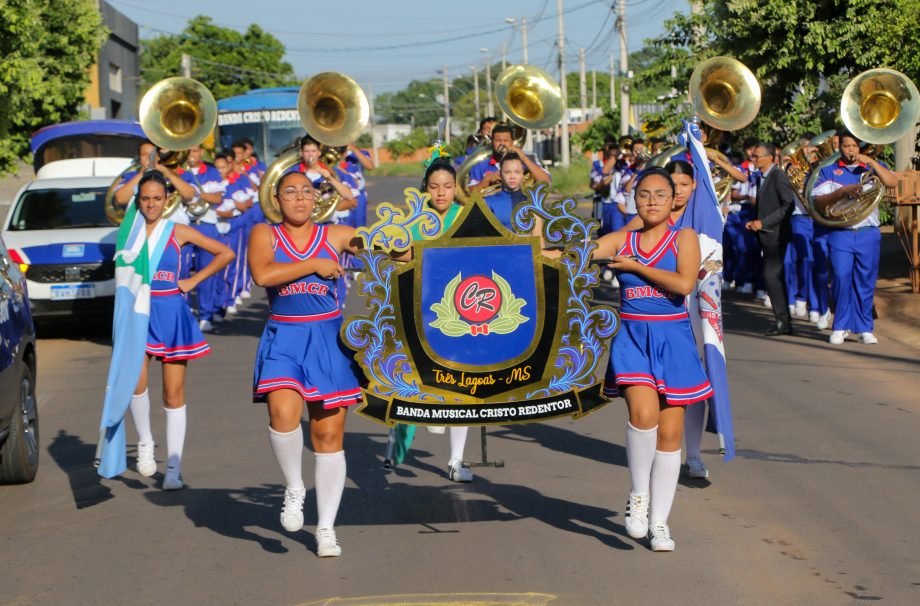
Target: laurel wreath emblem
point(507, 321)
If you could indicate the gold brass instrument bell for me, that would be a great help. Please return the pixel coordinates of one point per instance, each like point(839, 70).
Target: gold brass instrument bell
point(176, 114)
point(531, 99)
point(879, 106)
point(333, 110)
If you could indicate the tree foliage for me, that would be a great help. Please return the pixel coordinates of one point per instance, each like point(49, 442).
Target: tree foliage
point(802, 52)
point(226, 61)
point(47, 49)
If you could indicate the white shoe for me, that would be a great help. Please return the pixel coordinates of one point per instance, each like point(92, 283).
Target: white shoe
point(172, 480)
point(729, 285)
point(438, 429)
point(660, 536)
point(767, 302)
point(867, 338)
point(801, 309)
point(696, 469)
point(146, 463)
point(824, 320)
point(792, 311)
point(231, 310)
point(746, 289)
point(760, 295)
point(838, 337)
point(607, 275)
point(292, 510)
point(205, 326)
point(814, 317)
point(245, 294)
point(238, 300)
point(458, 473)
point(615, 283)
point(636, 519)
point(327, 545)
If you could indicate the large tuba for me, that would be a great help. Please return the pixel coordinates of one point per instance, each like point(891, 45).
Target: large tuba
point(531, 99)
point(175, 114)
point(333, 110)
point(879, 106)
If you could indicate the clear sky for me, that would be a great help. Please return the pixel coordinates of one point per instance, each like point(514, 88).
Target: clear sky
point(387, 43)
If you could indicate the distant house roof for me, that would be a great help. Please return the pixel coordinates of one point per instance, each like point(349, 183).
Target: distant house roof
point(85, 127)
point(263, 98)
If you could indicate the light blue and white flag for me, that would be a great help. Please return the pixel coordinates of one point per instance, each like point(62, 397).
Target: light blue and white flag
point(136, 255)
point(705, 305)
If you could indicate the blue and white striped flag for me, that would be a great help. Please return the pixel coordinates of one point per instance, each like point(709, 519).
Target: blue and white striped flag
point(133, 262)
point(705, 305)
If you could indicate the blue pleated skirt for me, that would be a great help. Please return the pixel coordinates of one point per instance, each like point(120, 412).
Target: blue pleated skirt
point(173, 334)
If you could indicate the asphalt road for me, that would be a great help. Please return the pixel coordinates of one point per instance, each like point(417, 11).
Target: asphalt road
point(819, 507)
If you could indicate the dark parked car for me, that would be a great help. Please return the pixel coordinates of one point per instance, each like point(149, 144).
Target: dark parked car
point(18, 410)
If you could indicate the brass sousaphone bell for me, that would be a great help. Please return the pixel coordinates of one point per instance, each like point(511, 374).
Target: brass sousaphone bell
point(531, 99)
point(333, 110)
point(175, 114)
point(879, 106)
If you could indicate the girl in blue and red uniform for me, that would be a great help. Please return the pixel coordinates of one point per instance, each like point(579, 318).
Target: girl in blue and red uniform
point(654, 354)
point(301, 357)
point(173, 335)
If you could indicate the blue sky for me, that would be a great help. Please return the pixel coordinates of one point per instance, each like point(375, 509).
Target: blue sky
point(387, 43)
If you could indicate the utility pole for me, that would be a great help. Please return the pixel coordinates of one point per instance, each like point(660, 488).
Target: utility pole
point(373, 121)
point(476, 90)
point(613, 83)
point(524, 37)
point(446, 107)
point(489, 105)
point(504, 57)
point(624, 67)
point(186, 66)
point(582, 81)
point(562, 78)
point(593, 91)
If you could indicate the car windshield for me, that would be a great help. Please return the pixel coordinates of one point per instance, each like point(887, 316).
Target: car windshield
point(60, 209)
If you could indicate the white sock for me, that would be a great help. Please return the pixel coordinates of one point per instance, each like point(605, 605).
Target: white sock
point(288, 449)
point(330, 484)
point(175, 437)
point(665, 471)
point(140, 414)
point(640, 453)
point(457, 443)
point(693, 427)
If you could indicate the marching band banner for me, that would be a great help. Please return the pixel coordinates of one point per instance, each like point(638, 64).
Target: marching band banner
point(479, 328)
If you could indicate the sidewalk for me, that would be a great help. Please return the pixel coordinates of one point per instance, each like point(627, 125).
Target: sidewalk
point(897, 307)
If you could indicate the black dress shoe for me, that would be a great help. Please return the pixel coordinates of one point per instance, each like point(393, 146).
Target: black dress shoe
point(777, 329)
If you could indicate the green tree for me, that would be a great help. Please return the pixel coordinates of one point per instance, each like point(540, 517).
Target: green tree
point(226, 61)
point(406, 146)
point(47, 49)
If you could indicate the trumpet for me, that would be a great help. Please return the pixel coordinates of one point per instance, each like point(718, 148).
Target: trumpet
point(333, 110)
point(175, 114)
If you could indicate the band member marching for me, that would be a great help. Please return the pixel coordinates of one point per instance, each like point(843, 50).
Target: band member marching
point(232, 213)
point(301, 358)
point(487, 172)
point(317, 172)
point(173, 336)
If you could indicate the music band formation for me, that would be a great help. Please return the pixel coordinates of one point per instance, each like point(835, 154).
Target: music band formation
point(801, 233)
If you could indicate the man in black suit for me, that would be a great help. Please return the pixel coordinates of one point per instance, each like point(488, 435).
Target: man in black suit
point(775, 201)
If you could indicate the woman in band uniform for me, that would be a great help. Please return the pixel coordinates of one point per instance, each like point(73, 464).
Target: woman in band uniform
point(173, 335)
point(654, 354)
point(301, 357)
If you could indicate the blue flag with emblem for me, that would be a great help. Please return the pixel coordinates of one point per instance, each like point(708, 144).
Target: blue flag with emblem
point(136, 254)
point(705, 305)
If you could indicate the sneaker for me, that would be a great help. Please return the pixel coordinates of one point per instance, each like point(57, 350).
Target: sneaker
point(867, 338)
point(146, 463)
point(615, 283)
point(801, 309)
point(438, 429)
point(838, 337)
point(792, 311)
point(767, 302)
point(458, 473)
point(746, 289)
point(231, 310)
point(696, 469)
point(729, 285)
point(217, 318)
point(292, 510)
point(814, 317)
point(173, 480)
point(205, 326)
point(245, 294)
point(238, 300)
point(660, 536)
point(824, 320)
point(327, 546)
point(637, 515)
point(607, 275)
point(760, 295)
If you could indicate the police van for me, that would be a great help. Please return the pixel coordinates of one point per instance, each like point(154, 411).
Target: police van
point(57, 230)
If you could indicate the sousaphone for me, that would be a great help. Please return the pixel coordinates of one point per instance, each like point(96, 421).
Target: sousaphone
point(333, 110)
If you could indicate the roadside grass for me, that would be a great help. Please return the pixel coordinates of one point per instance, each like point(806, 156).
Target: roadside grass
point(398, 169)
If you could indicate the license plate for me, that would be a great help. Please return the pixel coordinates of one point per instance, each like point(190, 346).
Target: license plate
point(76, 291)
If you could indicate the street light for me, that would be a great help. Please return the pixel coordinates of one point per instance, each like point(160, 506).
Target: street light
point(513, 22)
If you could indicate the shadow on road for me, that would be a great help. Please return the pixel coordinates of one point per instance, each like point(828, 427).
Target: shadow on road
point(75, 458)
point(565, 441)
